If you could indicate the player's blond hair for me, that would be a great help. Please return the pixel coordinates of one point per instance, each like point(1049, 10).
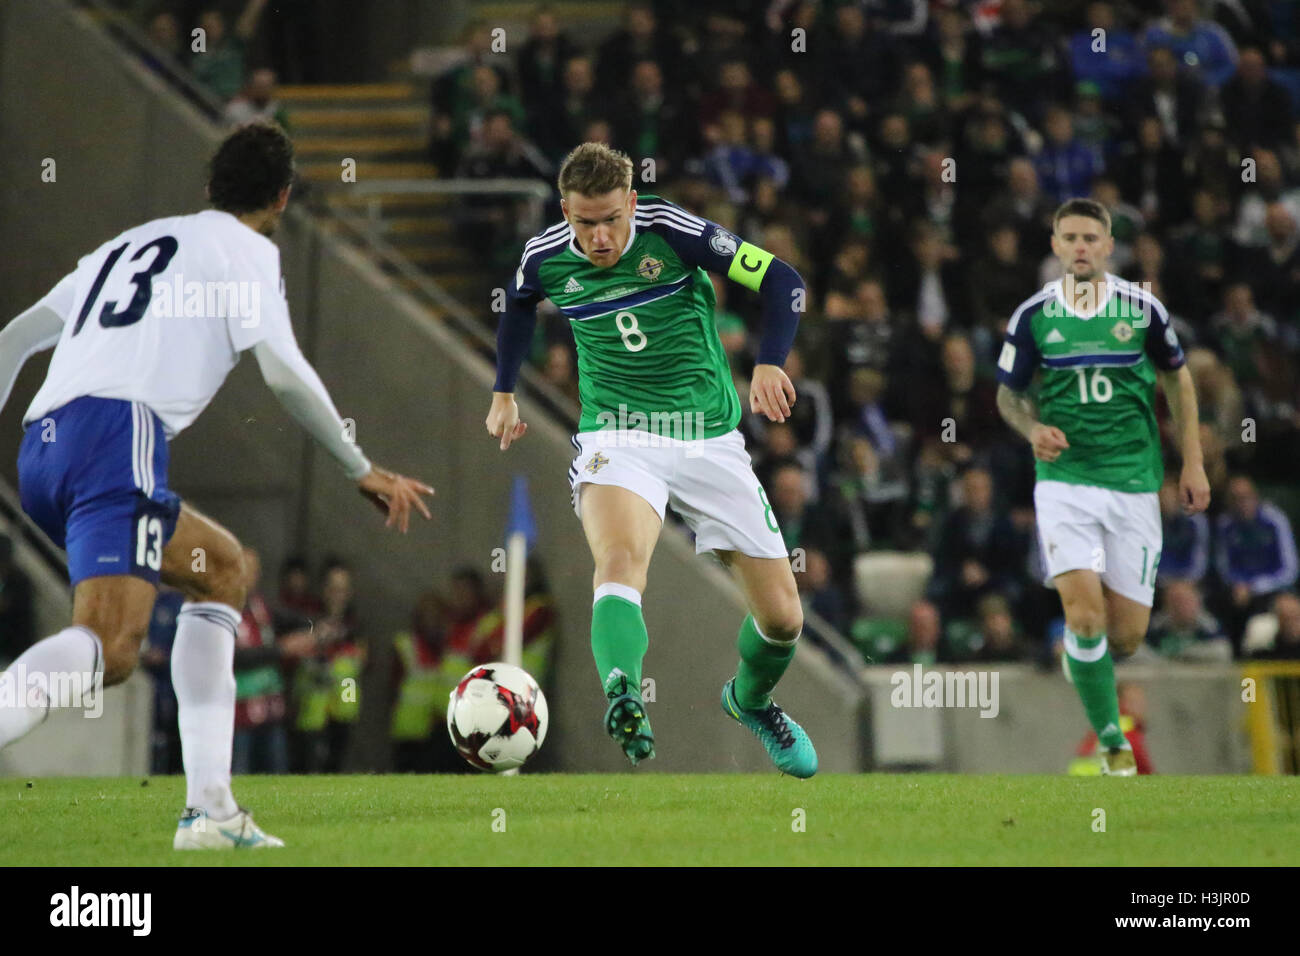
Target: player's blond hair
point(594, 169)
point(1082, 207)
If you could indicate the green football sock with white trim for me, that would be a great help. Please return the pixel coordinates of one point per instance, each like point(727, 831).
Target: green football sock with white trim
point(1093, 674)
point(618, 635)
point(762, 662)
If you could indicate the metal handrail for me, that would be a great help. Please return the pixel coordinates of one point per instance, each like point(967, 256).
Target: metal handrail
point(529, 188)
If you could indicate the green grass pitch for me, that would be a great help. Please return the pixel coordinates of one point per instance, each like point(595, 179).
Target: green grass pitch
point(659, 819)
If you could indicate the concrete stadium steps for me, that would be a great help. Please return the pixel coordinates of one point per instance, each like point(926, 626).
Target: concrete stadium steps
point(384, 127)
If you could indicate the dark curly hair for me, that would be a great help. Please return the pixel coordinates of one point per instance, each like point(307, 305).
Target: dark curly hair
point(250, 168)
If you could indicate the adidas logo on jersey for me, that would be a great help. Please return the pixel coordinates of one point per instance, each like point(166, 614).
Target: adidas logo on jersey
point(573, 285)
point(1052, 338)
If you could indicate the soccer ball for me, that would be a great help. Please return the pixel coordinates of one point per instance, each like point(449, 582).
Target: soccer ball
point(497, 717)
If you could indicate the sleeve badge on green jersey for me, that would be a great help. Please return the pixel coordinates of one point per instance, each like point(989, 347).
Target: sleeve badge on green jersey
point(723, 243)
point(650, 268)
point(1122, 331)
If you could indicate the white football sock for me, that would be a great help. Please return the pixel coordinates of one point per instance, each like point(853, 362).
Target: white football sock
point(74, 655)
point(203, 674)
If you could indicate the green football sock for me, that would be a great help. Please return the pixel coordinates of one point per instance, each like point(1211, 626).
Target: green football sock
point(618, 638)
point(1094, 678)
point(761, 665)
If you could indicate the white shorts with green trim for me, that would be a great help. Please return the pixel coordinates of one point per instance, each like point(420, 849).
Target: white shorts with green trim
point(1115, 533)
point(710, 483)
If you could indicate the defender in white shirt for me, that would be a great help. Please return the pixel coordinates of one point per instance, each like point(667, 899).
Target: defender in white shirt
point(145, 331)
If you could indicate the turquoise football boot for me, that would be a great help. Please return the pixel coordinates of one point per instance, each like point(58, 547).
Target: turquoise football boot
point(626, 719)
point(785, 741)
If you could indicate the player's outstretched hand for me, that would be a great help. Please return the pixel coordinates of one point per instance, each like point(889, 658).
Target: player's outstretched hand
point(1048, 441)
point(1194, 489)
point(771, 393)
point(394, 495)
point(503, 419)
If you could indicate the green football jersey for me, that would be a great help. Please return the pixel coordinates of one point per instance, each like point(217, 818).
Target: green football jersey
point(649, 356)
point(1097, 381)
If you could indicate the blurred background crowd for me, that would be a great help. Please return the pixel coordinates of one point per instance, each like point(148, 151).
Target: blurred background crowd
point(906, 156)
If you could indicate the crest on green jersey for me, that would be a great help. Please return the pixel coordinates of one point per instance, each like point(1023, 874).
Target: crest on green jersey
point(595, 463)
point(1122, 331)
point(650, 268)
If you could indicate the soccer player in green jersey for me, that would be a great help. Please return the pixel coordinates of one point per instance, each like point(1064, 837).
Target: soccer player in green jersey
point(1100, 344)
point(658, 426)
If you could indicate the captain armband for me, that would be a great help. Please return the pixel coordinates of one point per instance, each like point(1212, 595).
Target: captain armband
point(749, 265)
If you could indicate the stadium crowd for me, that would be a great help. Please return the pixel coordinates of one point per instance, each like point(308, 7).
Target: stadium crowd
point(305, 662)
point(907, 157)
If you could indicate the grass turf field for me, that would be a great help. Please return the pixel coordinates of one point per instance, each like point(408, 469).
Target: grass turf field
point(661, 819)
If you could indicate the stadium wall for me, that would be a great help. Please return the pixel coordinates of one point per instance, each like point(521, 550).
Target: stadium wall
point(126, 150)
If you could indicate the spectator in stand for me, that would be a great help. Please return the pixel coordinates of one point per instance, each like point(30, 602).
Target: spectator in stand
point(1274, 271)
point(650, 123)
point(1186, 554)
point(488, 223)
point(420, 701)
point(17, 627)
point(219, 65)
point(164, 32)
point(1200, 43)
point(541, 62)
point(261, 744)
point(991, 635)
point(924, 630)
point(1275, 634)
point(961, 410)
point(1255, 551)
point(1217, 397)
point(156, 658)
point(978, 552)
point(931, 285)
point(999, 280)
point(1066, 166)
point(1243, 334)
point(811, 418)
point(1251, 229)
point(1021, 60)
point(954, 58)
point(1258, 110)
point(729, 163)
point(539, 629)
point(1112, 59)
point(296, 602)
point(466, 603)
point(736, 90)
point(818, 592)
point(804, 524)
point(779, 446)
point(459, 90)
point(1177, 98)
point(820, 169)
point(561, 371)
point(1182, 629)
point(1150, 175)
point(257, 102)
point(873, 489)
point(1206, 246)
point(326, 687)
point(641, 39)
point(860, 65)
point(1024, 205)
point(859, 335)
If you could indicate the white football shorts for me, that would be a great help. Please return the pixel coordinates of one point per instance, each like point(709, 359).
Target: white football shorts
point(1115, 533)
point(710, 483)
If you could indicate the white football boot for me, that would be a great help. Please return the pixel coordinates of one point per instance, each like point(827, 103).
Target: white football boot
point(198, 831)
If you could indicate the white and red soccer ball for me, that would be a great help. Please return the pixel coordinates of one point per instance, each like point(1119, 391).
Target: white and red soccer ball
point(497, 717)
